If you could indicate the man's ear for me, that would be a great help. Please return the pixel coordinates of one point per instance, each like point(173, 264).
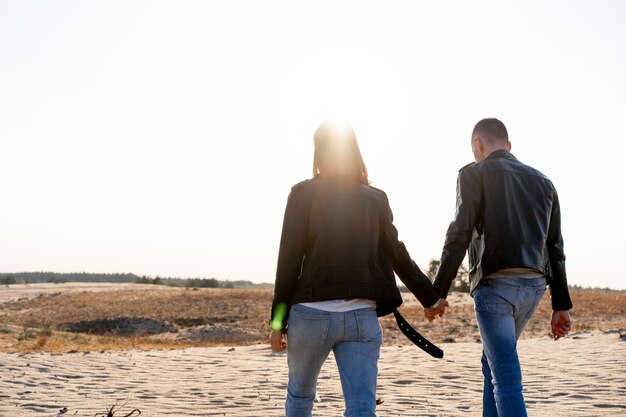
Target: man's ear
point(479, 145)
point(508, 146)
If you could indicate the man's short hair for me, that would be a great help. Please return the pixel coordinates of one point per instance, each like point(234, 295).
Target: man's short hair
point(492, 130)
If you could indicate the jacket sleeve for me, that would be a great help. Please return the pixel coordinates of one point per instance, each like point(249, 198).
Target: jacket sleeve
point(459, 234)
point(401, 261)
point(290, 257)
point(558, 281)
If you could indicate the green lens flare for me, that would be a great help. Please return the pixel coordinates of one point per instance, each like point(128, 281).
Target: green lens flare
point(279, 315)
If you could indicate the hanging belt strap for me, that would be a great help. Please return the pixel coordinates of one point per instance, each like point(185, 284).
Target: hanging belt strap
point(417, 339)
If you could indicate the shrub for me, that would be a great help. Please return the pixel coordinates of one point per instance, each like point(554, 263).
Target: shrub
point(27, 334)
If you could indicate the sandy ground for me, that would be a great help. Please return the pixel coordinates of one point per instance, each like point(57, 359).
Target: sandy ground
point(582, 375)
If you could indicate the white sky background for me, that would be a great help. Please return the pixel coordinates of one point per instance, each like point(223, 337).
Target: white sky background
point(162, 138)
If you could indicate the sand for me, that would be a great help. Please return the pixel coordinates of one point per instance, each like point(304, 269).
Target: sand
point(26, 291)
point(582, 375)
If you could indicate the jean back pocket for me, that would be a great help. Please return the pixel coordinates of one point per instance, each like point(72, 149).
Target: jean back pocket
point(309, 329)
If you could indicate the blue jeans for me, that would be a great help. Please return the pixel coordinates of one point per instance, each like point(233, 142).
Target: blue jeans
point(355, 338)
point(503, 307)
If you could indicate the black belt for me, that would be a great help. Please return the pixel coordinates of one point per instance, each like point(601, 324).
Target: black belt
point(417, 339)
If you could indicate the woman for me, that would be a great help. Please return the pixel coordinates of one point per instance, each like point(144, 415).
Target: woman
point(335, 275)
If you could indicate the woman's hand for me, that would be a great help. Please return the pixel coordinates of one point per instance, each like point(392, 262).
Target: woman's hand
point(277, 341)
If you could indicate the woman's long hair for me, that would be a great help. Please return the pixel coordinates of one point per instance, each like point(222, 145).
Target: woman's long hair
point(337, 152)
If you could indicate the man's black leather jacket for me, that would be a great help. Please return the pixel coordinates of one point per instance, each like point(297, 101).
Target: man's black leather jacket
point(508, 214)
point(339, 242)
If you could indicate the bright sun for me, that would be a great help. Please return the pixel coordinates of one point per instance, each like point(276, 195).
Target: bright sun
point(355, 82)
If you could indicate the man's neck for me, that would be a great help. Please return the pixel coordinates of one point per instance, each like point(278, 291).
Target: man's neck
point(492, 151)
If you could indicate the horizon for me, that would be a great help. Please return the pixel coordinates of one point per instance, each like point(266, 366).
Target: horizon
point(226, 280)
point(163, 138)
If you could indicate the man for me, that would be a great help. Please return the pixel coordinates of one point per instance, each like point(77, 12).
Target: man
point(508, 215)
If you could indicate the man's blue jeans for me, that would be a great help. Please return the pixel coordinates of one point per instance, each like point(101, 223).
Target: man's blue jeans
point(355, 338)
point(503, 307)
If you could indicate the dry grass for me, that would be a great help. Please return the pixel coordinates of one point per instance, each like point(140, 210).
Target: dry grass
point(593, 310)
point(178, 318)
point(202, 317)
point(63, 342)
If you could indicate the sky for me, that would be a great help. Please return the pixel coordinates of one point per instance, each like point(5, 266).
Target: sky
point(162, 137)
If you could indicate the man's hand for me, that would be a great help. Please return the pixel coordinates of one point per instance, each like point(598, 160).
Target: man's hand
point(561, 323)
point(277, 341)
point(431, 313)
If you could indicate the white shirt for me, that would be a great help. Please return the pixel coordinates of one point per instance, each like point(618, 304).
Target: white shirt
point(341, 306)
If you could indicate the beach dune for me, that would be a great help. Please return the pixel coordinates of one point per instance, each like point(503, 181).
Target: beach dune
point(582, 375)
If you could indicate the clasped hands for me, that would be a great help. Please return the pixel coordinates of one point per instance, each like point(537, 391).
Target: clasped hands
point(432, 312)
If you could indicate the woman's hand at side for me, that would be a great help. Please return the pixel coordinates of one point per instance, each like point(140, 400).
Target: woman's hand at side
point(277, 341)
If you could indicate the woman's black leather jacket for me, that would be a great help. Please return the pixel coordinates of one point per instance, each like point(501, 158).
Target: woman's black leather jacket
point(339, 242)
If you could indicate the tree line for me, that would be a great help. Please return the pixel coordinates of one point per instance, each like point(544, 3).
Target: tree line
point(55, 277)
point(460, 284)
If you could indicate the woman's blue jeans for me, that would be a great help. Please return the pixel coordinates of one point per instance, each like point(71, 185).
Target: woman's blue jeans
point(354, 337)
point(503, 307)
